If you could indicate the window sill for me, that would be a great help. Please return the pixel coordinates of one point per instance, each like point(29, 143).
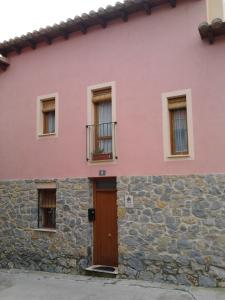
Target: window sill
point(45, 229)
point(46, 134)
point(179, 156)
point(99, 162)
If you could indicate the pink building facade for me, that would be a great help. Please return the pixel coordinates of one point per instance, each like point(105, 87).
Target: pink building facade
point(118, 128)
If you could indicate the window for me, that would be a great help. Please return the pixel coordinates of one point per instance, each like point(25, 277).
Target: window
point(102, 124)
point(48, 111)
point(47, 121)
point(177, 125)
point(47, 208)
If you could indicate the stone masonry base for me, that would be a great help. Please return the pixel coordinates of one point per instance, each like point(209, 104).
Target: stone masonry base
point(175, 232)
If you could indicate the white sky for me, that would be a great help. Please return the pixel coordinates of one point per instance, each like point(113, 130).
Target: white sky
point(21, 16)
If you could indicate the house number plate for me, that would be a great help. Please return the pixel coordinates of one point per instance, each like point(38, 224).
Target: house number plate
point(102, 172)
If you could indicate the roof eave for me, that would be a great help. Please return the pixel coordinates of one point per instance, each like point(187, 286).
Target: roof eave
point(81, 24)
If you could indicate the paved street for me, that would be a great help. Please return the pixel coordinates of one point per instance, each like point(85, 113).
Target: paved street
point(18, 285)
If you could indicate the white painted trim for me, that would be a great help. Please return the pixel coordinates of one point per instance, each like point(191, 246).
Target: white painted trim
point(215, 9)
point(46, 185)
point(90, 110)
point(39, 115)
point(90, 105)
point(45, 230)
point(166, 125)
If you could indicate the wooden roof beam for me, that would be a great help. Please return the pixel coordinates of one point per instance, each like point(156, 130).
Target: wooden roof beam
point(65, 34)
point(102, 22)
point(147, 7)
point(211, 37)
point(83, 28)
point(48, 39)
point(3, 53)
point(17, 49)
point(124, 15)
point(99, 18)
point(173, 3)
point(32, 44)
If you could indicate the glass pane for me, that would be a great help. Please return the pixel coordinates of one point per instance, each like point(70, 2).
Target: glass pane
point(105, 112)
point(51, 121)
point(47, 208)
point(105, 129)
point(105, 146)
point(180, 131)
point(106, 184)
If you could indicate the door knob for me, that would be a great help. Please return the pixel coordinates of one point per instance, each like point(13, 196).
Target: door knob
point(109, 235)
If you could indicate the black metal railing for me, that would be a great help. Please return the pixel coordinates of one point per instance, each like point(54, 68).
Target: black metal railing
point(101, 141)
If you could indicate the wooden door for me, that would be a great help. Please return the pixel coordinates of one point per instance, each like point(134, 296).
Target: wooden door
point(105, 224)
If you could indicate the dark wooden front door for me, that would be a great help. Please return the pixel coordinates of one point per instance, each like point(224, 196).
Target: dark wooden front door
point(105, 224)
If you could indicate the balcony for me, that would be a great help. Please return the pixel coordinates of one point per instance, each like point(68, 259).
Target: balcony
point(101, 142)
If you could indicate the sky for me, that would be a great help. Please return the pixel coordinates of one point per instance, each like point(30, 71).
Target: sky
point(21, 16)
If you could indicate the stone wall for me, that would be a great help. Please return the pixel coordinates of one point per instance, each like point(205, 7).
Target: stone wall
point(176, 230)
point(174, 233)
point(21, 246)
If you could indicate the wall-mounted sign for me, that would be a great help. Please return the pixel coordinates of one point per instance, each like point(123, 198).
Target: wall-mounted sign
point(102, 173)
point(129, 201)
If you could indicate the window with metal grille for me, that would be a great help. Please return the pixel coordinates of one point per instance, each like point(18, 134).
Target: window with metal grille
point(47, 208)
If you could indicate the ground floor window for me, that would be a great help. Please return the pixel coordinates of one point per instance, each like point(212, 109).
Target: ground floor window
point(47, 208)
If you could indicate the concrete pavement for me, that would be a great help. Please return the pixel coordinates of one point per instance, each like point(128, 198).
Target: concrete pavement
point(23, 285)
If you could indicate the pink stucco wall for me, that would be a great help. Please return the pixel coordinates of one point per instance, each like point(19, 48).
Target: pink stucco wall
point(146, 56)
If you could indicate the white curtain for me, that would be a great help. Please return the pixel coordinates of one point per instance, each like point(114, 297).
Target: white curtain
point(51, 122)
point(180, 131)
point(105, 126)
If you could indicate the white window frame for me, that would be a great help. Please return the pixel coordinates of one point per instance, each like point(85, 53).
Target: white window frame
point(166, 125)
point(39, 117)
point(90, 113)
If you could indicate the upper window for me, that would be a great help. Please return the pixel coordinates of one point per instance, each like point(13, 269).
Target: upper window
point(47, 208)
point(48, 111)
point(177, 125)
point(47, 115)
point(102, 124)
point(101, 119)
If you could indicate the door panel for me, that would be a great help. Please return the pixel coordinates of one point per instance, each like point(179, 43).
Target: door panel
point(105, 228)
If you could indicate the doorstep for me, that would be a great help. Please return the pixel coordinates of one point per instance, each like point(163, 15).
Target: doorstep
point(103, 269)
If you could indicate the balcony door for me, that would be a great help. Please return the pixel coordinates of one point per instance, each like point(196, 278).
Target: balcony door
point(102, 125)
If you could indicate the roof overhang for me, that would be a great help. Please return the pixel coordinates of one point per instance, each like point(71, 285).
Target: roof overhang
point(81, 24)
point(213, 30)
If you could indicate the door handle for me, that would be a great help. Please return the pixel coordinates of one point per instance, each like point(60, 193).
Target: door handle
point(109, 235)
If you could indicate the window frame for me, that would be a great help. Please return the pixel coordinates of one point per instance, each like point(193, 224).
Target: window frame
point(91, 116)
point(167, 144)
point(40, 115)
point(39, 207)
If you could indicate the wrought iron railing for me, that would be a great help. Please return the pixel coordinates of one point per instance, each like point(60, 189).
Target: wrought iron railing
point(101, 141)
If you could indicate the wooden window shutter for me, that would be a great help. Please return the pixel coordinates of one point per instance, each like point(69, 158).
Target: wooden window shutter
point(48, 199)
point(102, 95)
point(177, 103)
point(48, 105)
